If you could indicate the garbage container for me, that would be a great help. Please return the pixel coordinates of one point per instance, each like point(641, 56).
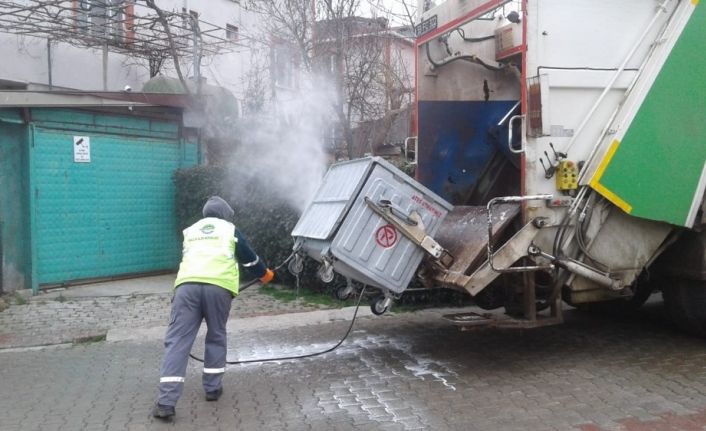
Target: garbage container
point(339, 229)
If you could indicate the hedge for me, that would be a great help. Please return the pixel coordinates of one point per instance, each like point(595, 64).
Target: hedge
point(263, 219)
point(267, 223)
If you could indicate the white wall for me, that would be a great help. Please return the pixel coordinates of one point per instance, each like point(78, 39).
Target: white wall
point(72, 67)
point(228, 69)
point(82, 68)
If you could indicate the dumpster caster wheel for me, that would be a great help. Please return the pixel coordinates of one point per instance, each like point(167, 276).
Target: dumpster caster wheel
point(296, 265)
point(325, 273)
point(343, 293)
point(380, 305)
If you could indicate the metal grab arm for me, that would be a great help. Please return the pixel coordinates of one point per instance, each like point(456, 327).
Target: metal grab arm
point(397, 211)
point(412, 227)
point(510, 199)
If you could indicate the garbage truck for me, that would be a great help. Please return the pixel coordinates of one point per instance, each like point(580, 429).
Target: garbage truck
point(560, 152)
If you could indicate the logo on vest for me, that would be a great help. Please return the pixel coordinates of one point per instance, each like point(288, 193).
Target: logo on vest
point(209, 228)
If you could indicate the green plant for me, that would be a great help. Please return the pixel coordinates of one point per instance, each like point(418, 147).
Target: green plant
point(193, 188)
point(90, 339)
point(19, 299)
point(306, 295)
point(263, 218)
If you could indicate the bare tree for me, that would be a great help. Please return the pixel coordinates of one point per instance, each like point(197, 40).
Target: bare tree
point(136, 28)
point(287, 21)
point(394, 84)
point(155, 62)
point(371, 78)
point(354, 52)
point(164, 20)
point(255, 86)
point(399, 12)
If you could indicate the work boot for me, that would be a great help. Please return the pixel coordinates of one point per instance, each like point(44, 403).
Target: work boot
point(162, 412)
point(214, 395)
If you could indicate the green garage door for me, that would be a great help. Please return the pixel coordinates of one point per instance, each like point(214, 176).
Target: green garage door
point(112, 212)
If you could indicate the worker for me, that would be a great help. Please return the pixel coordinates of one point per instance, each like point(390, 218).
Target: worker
point(204, 288)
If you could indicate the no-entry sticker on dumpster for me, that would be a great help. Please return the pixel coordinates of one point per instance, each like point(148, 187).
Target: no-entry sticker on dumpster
point(386, 236)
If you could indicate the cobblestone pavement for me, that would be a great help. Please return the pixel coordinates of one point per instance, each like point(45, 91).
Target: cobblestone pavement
point(401, 372)
point(68, 319)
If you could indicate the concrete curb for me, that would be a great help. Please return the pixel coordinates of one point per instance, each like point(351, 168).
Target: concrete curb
point(248, 324)
point(36, 348)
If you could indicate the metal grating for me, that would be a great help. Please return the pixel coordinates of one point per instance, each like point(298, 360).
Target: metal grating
point(124, 26)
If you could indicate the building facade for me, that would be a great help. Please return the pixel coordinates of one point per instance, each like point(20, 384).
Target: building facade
point(372, 66)
point(99, 45)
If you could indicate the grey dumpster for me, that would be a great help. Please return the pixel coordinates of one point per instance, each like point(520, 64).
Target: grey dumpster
point(341, 231)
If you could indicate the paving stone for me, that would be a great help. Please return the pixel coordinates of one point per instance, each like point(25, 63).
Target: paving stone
point(42, 322)
point(404, 372)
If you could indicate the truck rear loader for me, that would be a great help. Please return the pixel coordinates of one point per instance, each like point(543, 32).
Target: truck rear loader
point(561, 157)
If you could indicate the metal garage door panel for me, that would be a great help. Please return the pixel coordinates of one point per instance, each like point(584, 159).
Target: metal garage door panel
point(114, 215)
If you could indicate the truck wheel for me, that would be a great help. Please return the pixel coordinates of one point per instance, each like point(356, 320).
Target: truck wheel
point(491, 298)
point(685, 301)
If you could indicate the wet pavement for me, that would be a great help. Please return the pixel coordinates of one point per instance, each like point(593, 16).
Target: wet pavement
point(403, 371)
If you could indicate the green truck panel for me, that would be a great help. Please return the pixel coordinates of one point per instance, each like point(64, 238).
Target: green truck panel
point(656, 168)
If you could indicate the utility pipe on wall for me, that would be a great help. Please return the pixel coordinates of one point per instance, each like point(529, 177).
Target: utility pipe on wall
point(49, 77)
point(105, 67)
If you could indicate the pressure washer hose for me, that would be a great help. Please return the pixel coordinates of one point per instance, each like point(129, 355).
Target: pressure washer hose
point(287, 358)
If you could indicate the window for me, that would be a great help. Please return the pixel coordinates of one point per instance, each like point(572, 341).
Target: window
point(332, 64)
point(101, 18)
point(283, 67)
point(232, 32)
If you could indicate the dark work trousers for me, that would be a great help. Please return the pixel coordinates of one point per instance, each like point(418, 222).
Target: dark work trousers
point(194, 302)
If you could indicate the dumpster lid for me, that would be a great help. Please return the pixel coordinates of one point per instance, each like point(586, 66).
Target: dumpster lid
point(333, 199)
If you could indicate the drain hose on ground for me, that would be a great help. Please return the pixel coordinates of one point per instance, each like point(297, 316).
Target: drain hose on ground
point(308, 355)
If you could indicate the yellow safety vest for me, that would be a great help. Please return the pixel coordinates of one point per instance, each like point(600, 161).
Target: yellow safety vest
point(208, 255)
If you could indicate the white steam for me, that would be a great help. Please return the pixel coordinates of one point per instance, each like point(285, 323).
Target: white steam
point(283, 149)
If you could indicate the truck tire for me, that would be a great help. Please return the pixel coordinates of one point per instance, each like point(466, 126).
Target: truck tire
point(685, 301)
point(491, 298)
